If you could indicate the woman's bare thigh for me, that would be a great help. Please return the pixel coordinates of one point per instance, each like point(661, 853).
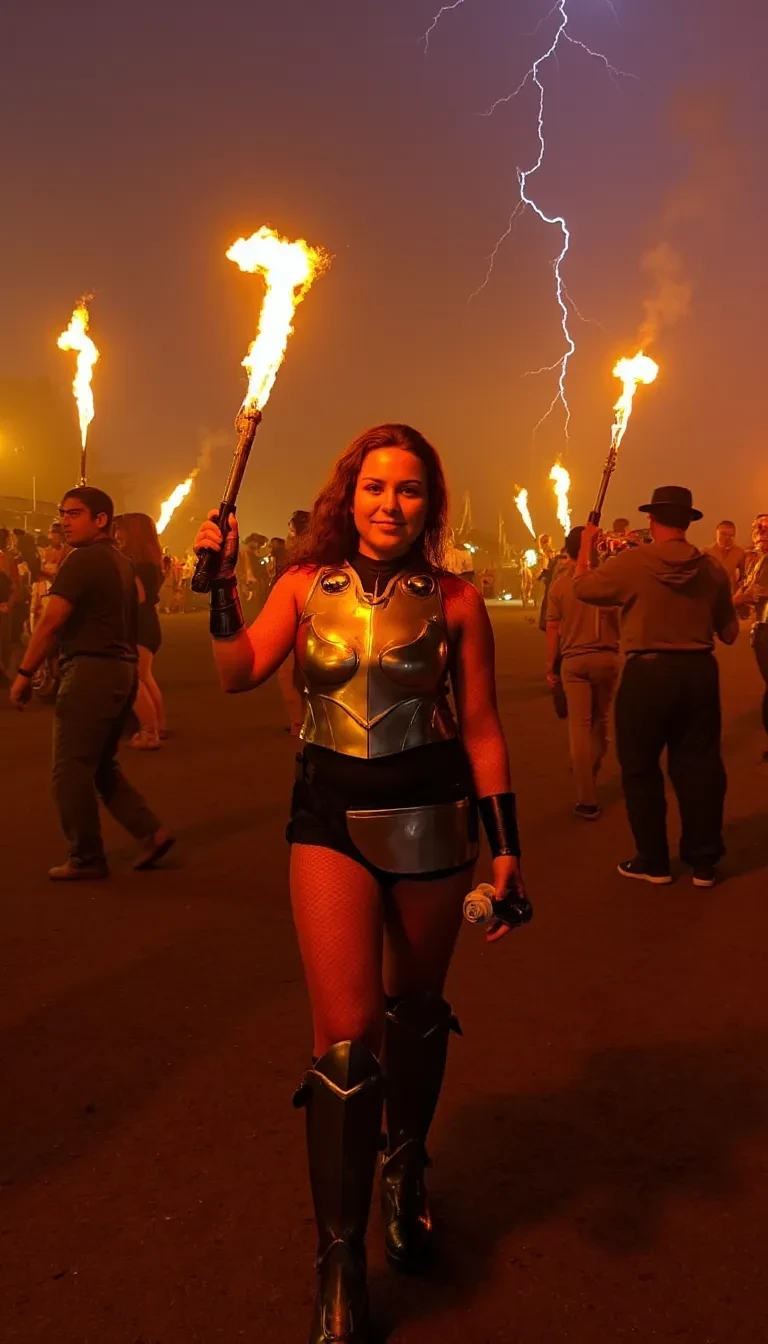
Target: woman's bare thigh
point(422, 924)
point(338, 913)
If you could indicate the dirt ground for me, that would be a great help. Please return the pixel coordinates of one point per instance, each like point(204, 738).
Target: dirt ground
point(601, 1154)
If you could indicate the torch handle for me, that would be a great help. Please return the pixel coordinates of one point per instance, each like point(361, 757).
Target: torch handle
point(608, 471)
point(208, 562)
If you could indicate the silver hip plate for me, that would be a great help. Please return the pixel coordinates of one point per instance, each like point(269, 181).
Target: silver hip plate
point(416, 840)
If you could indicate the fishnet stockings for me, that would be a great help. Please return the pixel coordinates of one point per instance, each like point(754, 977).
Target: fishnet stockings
point(341, 917)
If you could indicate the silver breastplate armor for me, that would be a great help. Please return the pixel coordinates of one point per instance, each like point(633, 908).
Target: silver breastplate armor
point(375, 669)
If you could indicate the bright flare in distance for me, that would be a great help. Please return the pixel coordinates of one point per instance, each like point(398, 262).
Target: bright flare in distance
point(76, 338)
point(521, 500)
point(171, 504)
point(561, 481)
point(531, 558)
point(288, 270)
point(631, 372)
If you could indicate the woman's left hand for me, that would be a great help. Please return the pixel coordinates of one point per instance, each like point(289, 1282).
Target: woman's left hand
point(509, 884)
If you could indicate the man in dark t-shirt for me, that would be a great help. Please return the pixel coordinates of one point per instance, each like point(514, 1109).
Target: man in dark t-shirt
point(92, 613)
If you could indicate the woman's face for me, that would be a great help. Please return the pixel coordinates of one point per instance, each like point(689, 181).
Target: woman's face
point(119, 537)
point(390, 503)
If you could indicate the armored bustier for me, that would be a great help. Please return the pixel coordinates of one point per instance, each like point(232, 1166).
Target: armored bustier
point(375, 669)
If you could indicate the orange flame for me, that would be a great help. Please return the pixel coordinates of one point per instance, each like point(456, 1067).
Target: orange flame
point(521, 500)
point(562, 484)
point(76, 338)
point(171, 504)
point(641, 369)
point(288, 270)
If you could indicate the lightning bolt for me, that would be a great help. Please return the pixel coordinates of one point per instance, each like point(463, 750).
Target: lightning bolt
point(535, 75)
point(445, 9)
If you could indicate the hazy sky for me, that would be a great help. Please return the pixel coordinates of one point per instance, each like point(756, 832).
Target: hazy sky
point(138, 141)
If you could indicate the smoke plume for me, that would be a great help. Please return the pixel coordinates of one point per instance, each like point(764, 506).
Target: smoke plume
point(670, 296)
point(700, 120)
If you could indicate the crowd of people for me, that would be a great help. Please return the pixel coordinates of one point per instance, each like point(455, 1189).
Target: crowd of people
point(385, 655)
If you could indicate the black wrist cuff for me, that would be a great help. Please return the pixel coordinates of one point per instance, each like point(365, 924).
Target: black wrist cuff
point(22, 672)
point(226, 611)
point(498, 814)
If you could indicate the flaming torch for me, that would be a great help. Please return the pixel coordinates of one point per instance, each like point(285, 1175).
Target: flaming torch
point(76, 338)
point(171, 504)
point(521, 500)
point(288, 270)
point(631, 372)
point(561, 481)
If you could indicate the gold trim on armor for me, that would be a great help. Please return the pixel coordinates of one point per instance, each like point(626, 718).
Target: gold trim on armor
point(416, 839)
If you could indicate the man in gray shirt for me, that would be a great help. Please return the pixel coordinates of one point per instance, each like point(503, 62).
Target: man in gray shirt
point(91, 613)
point(674, 601)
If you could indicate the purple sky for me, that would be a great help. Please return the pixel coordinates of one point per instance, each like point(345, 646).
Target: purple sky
point(137, 142)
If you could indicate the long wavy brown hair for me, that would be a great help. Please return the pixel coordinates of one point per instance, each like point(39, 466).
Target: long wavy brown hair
point(136, 534)
point(332, 538)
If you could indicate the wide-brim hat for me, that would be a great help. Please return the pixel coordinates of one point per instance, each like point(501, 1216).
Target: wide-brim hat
point(675, 497)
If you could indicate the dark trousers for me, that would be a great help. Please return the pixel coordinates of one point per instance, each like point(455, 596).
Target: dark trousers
point(92, 707)
point(760, 645)
point(672, 700)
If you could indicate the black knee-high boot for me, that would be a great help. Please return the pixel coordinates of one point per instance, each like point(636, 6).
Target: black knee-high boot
point(342, 1094)
point(416, 1045)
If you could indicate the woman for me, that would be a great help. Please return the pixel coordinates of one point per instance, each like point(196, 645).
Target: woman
point(136, 535)
point(382, 830)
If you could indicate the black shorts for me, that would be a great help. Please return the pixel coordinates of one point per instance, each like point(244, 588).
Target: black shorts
point(149, 634)
point(329, 784)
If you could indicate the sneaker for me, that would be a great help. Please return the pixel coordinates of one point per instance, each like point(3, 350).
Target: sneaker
point(704, 875)
point(643, 872)
point(588, 811)
point(72, 871)
point(154, 849)
point(147, 739)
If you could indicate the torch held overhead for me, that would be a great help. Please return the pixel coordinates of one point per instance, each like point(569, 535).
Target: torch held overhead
point(631, 372)
point(288, 269)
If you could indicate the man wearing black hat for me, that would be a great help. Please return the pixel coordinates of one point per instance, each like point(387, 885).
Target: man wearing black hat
point(674, 600)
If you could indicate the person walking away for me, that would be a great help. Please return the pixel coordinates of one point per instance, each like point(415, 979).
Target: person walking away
point(92, 609)
point(26, 566)
point(136, 535)
point(9, 591)
point(526, 580)
point(754, 595)
point(166, 589)
point(28, 560)
point(583, 641)
point(674, 601)
point(728, 553)
point(550, 560)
